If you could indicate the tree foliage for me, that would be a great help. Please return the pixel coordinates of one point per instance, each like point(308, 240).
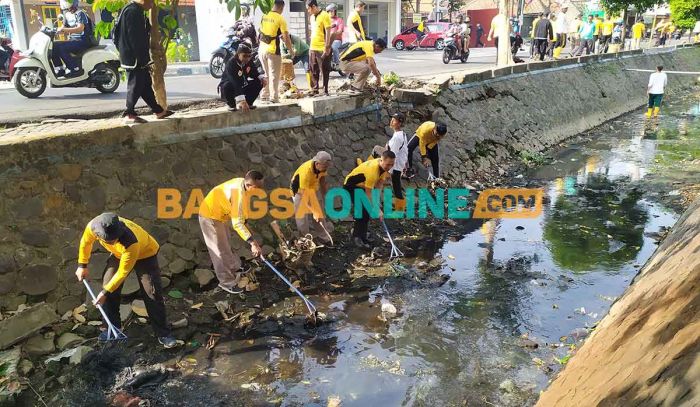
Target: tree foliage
point(618, 6)
point(235, 5)
point(685, 12)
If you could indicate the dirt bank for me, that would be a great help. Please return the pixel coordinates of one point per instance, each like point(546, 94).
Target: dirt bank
point(645, 351)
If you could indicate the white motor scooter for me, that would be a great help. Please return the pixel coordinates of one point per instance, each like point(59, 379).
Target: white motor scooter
point(100, 67)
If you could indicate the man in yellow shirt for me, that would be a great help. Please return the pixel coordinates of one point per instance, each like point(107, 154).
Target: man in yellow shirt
point(309, 185)
point(132, 250)
point(574, 36)
point(499, 26)
point(637, 34)
point(426, 139)
point(272, 27)
point(355, 28)
point(364, 178)
point(358, 59)
point(228, 202)
point(606, 32)
point(596, 34)
point(320, 47)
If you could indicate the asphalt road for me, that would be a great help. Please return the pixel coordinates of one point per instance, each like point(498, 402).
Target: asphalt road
point(86, 102)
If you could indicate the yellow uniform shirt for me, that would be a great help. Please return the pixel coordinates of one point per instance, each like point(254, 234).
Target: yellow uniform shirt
point(355, 21)
point(272, 26)
point(358, 51)
point(426, 137)
point(598, 23)
point(135, 244)
point(575, 27)
point(318, 36)
point(497, 24)
point(218, 205)
point(306, 177)
point(366, 175)
point(608, 27)
point(534, 24)
point(637, 30)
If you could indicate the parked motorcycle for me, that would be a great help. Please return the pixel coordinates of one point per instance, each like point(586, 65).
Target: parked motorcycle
point(100, 67)
point(451, 52)
point(8, 70)
point(228, 48)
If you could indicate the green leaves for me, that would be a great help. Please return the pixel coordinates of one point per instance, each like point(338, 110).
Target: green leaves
point(170, 23)
point(177, 294)
point(103, 29)
point(685, 12)
point(617, 6)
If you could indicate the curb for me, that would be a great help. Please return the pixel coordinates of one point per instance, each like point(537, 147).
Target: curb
point(183, 70)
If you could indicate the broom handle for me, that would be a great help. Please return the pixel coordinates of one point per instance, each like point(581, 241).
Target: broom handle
point(110, 327)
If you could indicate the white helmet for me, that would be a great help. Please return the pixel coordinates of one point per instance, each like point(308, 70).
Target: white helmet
point(68, 4)
point(331, 7)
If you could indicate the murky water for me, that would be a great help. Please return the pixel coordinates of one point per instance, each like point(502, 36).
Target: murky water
point(547, 278)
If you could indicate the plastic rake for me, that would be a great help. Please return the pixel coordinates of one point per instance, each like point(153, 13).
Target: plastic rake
point(395, 252)
point(113, 333)
point(310, 305)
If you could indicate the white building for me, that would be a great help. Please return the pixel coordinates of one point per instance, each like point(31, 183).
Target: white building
point(381, 19)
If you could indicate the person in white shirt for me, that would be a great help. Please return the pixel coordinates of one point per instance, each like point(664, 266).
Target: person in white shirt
point(655, 90)
point(561, 28)
point(398, 144)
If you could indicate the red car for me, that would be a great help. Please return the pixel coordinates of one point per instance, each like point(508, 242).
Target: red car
point(434, 37)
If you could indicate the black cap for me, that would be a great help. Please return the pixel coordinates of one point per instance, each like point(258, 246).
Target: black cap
point(441, 129)
point(399, 116)
point(380, 42)
point(107, 226)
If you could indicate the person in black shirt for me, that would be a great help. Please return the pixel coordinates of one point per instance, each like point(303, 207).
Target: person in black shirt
point(242, 81)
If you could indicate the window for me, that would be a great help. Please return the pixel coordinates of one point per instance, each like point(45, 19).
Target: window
point(5, 22)
point(50, 13)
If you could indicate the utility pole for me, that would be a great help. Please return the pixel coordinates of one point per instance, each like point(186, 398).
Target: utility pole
point(504, 58)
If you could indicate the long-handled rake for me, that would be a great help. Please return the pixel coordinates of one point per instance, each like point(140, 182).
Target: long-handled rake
point(395, 252)
point(113, 333)
point(313, 314)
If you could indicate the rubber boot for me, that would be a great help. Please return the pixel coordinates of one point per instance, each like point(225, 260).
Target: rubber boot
point(656, 112)
point(399, 204)
point(649, 112)
point(308, 80)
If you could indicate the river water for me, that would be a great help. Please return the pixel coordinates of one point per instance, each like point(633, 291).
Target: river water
point(548, 279)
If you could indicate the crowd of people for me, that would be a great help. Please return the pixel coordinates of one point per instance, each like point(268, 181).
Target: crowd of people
point(224, 209)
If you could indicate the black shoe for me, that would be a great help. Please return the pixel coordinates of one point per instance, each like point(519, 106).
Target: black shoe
point(359, 243)
point(61, 73)
point(232, 108)
point(168, 342)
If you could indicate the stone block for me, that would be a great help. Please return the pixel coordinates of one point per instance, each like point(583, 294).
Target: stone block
point(325, 106)
point(505, 71)
point(417, 97)
point(474, 77)
point(538, 66)
point(25, 324)
point(37, 279)
point(519, 68)
point(40, 345)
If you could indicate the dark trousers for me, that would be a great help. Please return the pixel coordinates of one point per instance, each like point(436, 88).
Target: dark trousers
point(320, 65)
point(589, 45)
point(541, 47)
point(251, 92)
point(478, 42)
point(140, 86)
point(561, 41)
point(148, 273)
point(655, 100)
point(396, 184)
point(604, 42)
point(433, 154)
point(361, 224)
point(62, 52)
point(4, 58)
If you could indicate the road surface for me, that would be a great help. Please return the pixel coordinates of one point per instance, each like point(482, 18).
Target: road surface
point(86, 102)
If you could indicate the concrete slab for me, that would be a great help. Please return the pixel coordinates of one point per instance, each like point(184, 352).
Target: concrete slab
point(473, 77)
point(538, 66)
point(505, 71)
point(325, 106)
point(520, 68)
point(416, 97)
point(25, 324)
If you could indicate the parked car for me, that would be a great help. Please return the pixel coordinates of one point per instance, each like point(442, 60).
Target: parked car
point(434, 37)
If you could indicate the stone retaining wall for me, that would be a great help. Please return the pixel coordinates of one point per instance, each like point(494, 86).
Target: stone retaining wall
point(52, 186)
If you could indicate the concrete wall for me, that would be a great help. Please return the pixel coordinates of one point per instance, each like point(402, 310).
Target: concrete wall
point(645, 351)
point(51, 186)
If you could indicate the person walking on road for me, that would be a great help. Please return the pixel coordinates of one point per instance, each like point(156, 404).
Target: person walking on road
point(543, 35)
point(587, 37)
point(309, 187)
point(356, 32)
point(320, 46)
point(574, 34)
point(655, 90)
point(223, 204)
point(272, 27)
point(358, 59)
point(637, 34)
point(242, 80)
point(132, 250)
point(606, 32)
point(499, 26)
point(363, 179)
point(132, 38)
point(426, 139)
point(479, 34)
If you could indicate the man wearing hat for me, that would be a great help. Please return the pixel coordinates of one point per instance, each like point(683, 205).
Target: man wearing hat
point(132, 248)
point(309, 188)
point(399, 146)
point(426, 139)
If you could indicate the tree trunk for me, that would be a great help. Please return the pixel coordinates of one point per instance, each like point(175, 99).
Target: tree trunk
point(160, 63)
point(504, 57)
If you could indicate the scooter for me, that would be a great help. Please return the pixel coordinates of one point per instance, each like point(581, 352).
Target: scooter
point(7, 71)
point(228, 48)
point(100, 67)
point(451, 52)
